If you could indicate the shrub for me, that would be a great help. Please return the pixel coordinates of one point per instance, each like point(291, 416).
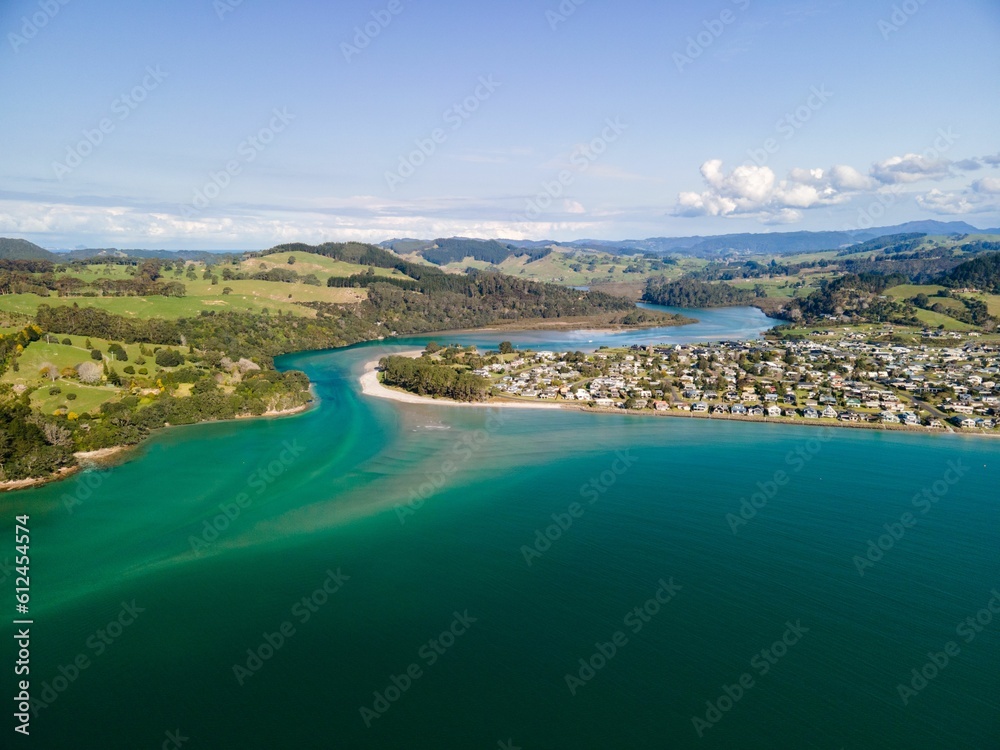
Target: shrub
point(96, 354)
point(71, 397)
point(55, 390)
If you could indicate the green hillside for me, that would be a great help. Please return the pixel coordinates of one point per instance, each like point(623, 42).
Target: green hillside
point(14, 249)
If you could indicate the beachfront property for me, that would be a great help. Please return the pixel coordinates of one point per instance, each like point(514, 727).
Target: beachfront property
point(852, 381)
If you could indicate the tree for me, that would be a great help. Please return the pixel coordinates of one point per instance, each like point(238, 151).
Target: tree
point(291, 260)
point(169, 358)
point(506, 347)
point(89, 372)
point(96, 354)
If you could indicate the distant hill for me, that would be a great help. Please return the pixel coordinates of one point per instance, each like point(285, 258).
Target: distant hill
point(769, 243)
point(441, 252)
point(13, 249)
point(113, 252)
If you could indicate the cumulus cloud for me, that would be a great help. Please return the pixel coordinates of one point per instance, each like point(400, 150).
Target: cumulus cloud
point(755, 190)
point(910, 168)
point(980, 197)
point(993, 160)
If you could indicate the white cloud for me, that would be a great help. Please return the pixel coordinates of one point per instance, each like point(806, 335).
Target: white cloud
point(982, 196)
point(910, 168)
point(987, 185)
point(756, 191)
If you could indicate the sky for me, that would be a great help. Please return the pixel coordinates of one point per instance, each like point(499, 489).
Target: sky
point(241, 124)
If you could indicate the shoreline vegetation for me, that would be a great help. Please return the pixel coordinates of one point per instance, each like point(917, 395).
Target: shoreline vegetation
point(118, 454)
point(647, 381)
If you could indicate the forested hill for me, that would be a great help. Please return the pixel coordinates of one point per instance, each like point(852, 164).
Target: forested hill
point(430, 299)
point(13, 249)
point(687, 292)
point(982, 272)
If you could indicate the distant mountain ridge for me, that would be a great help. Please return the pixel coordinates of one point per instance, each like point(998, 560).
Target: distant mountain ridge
point(776, 243)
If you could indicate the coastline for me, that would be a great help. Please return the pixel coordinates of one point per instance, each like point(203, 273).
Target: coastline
point(118, 453)
point(371, 386)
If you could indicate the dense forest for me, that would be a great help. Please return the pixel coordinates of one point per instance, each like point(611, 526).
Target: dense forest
point(688, 292)
point(428, 378)
point(982, 272)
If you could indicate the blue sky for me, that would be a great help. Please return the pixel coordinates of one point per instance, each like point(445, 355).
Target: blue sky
point(229, 124)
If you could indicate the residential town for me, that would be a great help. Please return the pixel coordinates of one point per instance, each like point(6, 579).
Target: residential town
point(853, 380)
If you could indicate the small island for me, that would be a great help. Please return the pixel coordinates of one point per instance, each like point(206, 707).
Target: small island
point(847, 377)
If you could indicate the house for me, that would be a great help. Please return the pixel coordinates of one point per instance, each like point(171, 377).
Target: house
point(829, 413)
point(756, 411)
point(661, 406)
point(810, 413)
point(739, 409)
point(701, 406)
point(774, 411)
point(849, 416)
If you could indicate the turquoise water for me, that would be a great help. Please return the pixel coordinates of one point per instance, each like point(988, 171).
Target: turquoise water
point(334, 497)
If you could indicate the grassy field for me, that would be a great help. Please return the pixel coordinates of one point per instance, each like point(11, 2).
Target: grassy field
point(781, 286)
point(306, 263)
point(906, 291)
point(934, 320)
point(244, 296)
point(560, 267)
point(89, 397)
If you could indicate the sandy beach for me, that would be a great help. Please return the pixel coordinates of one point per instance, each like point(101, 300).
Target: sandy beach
point(371, 386)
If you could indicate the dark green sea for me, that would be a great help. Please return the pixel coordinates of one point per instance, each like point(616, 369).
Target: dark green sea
point(434, 629)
